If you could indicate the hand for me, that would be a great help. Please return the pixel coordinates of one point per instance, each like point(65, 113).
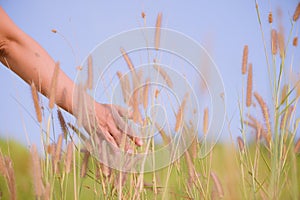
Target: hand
point(110, 119)
point(104, 121)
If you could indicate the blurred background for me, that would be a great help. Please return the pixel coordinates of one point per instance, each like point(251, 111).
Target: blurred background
point(223, 28)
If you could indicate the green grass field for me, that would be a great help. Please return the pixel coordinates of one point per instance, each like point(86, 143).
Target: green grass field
point(224, 161)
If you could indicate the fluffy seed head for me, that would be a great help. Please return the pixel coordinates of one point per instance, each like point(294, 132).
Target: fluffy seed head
point(298, 89)
point(2, 165)
point(145, 94)
point(297, 146)
point(157, 31)
point(57, 153)
point(53, 86)
point(245, 59)
point(191, 168)
point(281, 44)
point(295, 41)
point(266, 114)
point(205, 121)
point(62, 123)
point(163, 134)
point(68, 158)
point(249, 86)
point(84, 164)
point(125, 86)
point(296, 13)
point(156, 93)
point(37, 174)
point(163, 73)
point(217, 184)
point(270, 17)
point(35, 98)
point(127, 59)
point(284, 92)
point(47, 193)
point(179, 115)
point(90, 73)
point(285, 119)
point(240, 143)
point(274, 41)
point(7, 171)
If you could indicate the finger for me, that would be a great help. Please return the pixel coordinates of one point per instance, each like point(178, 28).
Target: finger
point(102, 132)
point(125, 128)
point(119, 137)
point(123, 112)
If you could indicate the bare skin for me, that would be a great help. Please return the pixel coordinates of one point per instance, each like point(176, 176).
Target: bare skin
point(24, 56)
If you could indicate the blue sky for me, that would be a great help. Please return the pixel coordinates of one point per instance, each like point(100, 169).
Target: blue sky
point(223, 27)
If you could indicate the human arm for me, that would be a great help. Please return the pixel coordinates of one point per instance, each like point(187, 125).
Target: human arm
point(24, 56)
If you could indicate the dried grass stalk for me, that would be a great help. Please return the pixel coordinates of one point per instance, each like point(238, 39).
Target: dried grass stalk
point(266, 115)
point(205, 121)
point(57, 155)
point(270, 18)
point(77, 131)
point(191, 168)
point(68, 158)
point(50, 149)
point(193, 149)
point(163, 73)
point(298, 89)
point(146, 93)
point(90, 73)
point(136, 115)
point(11, 179)
point(249, 86)
point(62, 123)
point(179, 115)
point(297, 146)
point(241, 143)
point(47, 194)
point(127, 59)
point(217, 184)
point(84, 164)
point(281, 44)
point(285, 119)
point(37, 174)
point(296, 13)
point(284, 92)
point(80, 104)
point(157, 30)
point(7, 171)
point(163, 134)
point(105, 169)
point(35, 98)
point(53, 86)
point(295, 41)
point(156, 93)
point(125, 86)
point(258, 126)
point(2, 165)
point(245, 59)
point(274, 41)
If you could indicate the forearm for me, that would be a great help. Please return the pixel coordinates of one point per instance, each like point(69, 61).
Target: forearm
point(32, 63)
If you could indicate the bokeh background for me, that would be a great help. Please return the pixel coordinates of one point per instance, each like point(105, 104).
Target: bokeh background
point(222, 27)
